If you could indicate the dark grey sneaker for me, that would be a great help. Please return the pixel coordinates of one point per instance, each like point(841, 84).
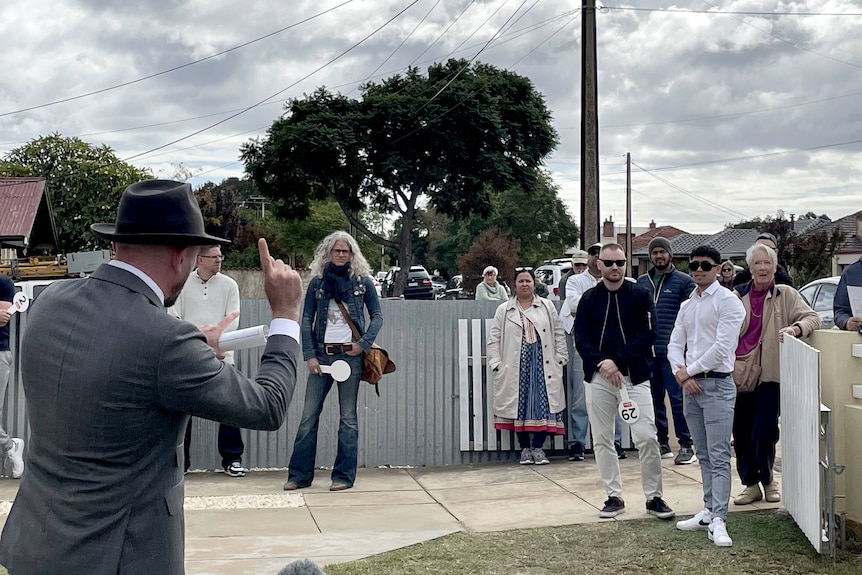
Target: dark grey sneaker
point(656, 506)
point(526, 456)
point(539, 457)
point(685, 456)
point(666, 452)
point(576, 452)
point(613, 507)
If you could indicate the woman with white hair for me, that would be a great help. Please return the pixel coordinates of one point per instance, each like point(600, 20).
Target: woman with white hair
point(340, 284)
point(489, 289)
point(771, 310)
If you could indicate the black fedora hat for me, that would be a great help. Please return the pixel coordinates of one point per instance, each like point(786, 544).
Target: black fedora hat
point(160, 212)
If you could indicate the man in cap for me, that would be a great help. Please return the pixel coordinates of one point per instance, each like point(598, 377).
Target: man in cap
point(781, 275)
point(578, 418)
point(669, 287)
point(111, 379)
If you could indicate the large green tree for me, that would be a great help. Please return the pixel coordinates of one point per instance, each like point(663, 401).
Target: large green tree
point(84, 183)
point(454, 136)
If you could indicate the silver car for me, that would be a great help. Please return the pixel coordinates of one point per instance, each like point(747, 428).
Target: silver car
point(820, 294)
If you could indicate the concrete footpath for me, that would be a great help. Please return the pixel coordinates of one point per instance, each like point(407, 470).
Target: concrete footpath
point(249, 525)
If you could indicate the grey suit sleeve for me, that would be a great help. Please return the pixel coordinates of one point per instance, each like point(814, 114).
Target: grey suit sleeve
point(192, 380)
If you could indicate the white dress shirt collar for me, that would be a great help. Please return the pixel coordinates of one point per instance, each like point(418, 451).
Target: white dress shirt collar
point(144, 277)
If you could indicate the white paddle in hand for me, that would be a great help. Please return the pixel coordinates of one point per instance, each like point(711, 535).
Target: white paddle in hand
point(20, 303)
point(339, 370)
point(627, 408)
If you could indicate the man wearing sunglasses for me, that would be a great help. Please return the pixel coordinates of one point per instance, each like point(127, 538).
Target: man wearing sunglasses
point(614, 334)
point(669, 288)
point(576, 286)
point(701, 352)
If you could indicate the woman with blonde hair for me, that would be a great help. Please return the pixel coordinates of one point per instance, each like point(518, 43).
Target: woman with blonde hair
point(340, 285)
point(726, 273)
point(771, 311)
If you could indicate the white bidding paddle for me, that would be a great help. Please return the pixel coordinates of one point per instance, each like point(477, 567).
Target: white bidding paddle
point(20, 303)
point(339, 370)
point(628, 409)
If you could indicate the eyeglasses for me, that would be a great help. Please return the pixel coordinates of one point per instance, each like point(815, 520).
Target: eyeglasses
point(726, 269)
point(523, 269)
point(219, 258)
point(339, 252)
point(695, 265)
point(618, 263)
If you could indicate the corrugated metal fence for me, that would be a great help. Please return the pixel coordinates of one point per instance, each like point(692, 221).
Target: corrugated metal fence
point(413, 422)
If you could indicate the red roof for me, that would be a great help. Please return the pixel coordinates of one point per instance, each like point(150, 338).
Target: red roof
point(19, 203)
point(643, 240)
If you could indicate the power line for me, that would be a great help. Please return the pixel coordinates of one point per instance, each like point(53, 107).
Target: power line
point(443, 33)
point(253, 106)
point(175, 68)
point(729, 12)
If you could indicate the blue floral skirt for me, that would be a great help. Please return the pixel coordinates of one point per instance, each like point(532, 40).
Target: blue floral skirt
point(534, 413)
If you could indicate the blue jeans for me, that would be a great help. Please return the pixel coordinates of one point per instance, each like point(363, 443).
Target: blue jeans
point(578, 419)
point(301, 470)
point(663, 380)
point(710, 417)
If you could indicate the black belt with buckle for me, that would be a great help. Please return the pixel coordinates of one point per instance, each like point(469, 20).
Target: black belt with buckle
point(712, 374)
point(336, 348)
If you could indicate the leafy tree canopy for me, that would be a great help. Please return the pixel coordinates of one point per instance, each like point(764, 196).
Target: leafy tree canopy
point(83, 181)
point(455, 136)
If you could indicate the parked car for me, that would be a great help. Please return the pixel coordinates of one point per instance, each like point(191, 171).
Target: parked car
point(550, 275)
point(439, 285)
point(454, 288)
point(820, 294)
point(376, 283)
point(418, 284)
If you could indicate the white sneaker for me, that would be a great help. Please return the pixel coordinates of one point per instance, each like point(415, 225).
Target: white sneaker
point(15, 454)
point(718, 533)
point(697, 523)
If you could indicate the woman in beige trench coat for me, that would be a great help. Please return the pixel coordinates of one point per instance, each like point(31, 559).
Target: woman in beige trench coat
point(526, 353)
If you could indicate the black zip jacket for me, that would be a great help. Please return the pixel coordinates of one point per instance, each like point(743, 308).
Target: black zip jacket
point(631, 349)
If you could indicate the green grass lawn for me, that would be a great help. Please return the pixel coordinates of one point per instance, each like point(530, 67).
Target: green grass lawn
point(764, 543)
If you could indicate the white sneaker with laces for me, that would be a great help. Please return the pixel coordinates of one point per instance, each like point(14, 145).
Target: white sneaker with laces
point(718, 533)
point(15, 454)
point(697, 523)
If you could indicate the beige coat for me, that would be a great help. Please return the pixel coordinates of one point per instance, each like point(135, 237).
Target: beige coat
point(504, 353)
point(783, 307)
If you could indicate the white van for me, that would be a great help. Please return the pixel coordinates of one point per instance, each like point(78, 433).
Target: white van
point(550, 275)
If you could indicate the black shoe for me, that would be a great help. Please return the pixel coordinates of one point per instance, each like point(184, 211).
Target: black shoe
point(613, 507)
point(619, 447)
point(576, 452)
point(656, 506)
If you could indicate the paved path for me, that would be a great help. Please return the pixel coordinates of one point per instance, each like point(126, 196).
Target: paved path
point(250, 525)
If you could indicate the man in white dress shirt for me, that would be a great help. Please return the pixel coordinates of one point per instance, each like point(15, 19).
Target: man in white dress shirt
point(701, 353)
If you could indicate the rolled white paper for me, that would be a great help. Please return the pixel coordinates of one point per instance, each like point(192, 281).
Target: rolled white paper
point(244, 338)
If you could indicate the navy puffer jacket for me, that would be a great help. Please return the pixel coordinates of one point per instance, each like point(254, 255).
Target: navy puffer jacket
point(674, 288)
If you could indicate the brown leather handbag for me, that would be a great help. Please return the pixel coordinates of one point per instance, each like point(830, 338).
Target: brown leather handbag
point(376, 362)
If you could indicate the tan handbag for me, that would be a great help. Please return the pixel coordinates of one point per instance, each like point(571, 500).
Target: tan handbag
point(375, 362)
point(747, 370)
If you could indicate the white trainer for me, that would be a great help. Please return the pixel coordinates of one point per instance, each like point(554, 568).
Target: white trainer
point(718, 533)
point(699, 522)
point(15, 454)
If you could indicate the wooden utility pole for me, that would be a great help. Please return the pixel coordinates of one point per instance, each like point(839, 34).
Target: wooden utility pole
point(590, 230)
point(628, 245)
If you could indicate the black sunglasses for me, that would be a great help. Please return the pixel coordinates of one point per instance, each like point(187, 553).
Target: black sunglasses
point(619, 263)
point(698, 265)
point(727, 269)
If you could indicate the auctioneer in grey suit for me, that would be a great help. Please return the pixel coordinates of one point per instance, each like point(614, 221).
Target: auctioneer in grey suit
point(110, 380)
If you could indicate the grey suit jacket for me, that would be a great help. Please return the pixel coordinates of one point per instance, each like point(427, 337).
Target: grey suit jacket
point(110, 380)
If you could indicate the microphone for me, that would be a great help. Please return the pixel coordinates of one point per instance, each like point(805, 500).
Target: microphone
point(301, 567)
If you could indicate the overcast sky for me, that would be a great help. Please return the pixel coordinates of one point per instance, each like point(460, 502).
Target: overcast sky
point(726, 109)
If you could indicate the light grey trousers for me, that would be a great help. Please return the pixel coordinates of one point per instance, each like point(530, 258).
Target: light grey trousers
point(709, 415)
point(602, 405)
point(5, 371)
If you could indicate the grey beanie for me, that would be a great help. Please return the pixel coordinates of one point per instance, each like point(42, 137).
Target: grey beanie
point(658, 242)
